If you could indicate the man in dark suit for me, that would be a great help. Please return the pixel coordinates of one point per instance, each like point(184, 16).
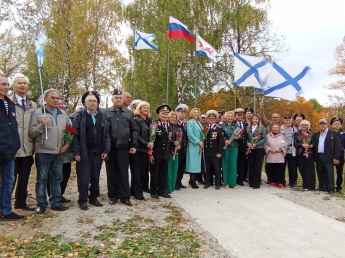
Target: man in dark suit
point(326, 146)
point(182, 124)
point(242, 163)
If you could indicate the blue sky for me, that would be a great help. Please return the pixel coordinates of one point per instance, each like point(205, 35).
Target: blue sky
point(313, 29)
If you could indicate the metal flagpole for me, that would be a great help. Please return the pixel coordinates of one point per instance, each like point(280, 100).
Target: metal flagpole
point(254, 102)
point(135, 63)
point(196, 78)
point(44, 106)
point(167, 96)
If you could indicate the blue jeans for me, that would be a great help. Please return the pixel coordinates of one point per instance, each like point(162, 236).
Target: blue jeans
point(6, 184)
point(48, 165)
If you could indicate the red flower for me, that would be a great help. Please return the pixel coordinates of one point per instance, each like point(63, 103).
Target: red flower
point(256, 135)
point(240, 132)
point(71, 129)
point(305, 136)
point(205, 129)
point(155, 126)
point(179, 134)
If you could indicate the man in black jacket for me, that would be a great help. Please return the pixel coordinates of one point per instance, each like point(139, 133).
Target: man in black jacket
point(181, 123)
point(90, 146)
point(242, 162)
point(326, 148)
point(213, 148)
point(124, 135)
point(9, 145)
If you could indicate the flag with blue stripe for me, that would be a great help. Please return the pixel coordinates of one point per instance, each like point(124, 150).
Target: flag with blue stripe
point(144, 40)
point(39, 41)
point(205, 49)
point(250, 71)
point(288, 80)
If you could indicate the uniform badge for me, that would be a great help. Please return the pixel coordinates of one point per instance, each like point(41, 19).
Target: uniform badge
point(159, 123)
point(159, 132)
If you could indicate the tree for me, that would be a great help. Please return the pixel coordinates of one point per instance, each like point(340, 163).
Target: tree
point(317, 106)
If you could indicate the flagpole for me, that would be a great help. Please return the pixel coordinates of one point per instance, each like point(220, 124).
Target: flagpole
point(44, 106)
point(135, 64)
point(167, 94)
point(196, 77)
point(254, 101)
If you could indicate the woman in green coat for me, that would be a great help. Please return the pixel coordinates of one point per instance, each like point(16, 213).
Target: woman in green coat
point(173, 156)
point(229, 157)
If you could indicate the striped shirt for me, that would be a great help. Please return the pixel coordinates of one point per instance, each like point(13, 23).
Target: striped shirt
point(6, 106)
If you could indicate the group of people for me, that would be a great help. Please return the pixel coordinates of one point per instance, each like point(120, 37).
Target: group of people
point(215, 148)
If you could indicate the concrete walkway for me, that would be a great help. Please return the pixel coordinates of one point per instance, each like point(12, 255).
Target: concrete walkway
point(258, 223)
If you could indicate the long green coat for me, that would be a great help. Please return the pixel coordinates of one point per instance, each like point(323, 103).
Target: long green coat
point(193, 160)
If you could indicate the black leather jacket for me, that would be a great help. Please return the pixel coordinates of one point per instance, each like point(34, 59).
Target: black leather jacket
point(143, 132)
point(298, 143)
point(122, 128)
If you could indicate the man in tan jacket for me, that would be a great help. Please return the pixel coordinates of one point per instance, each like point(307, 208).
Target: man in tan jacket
point(24, 157)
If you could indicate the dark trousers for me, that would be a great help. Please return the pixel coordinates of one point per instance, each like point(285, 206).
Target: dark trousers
point(277, 171)
point(307, 169)
point(89, 171)
point(138, 169)
point(212, 168)
point(255, 159)
point(325, 173)
point(291, 163)
point(339, 170)
point(159, 176)
point(242, 166)
point(66, 173)
point(146, 177)
point(181, 168)
point(22, 169)
point(117, 174)
point(268, 173)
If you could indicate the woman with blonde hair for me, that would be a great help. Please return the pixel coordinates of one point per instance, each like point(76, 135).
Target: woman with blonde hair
point(305, 156)
point(139, 160)
point(255, 142)
point(194, 147)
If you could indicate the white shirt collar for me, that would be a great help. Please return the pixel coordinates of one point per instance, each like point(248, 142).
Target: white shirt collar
point(19, 99)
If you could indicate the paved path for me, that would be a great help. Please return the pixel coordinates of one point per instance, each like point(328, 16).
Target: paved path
point(258, 223)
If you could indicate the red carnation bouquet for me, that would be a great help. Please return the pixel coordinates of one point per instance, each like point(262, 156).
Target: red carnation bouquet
point(178, 139)
point(153, 131)
point(237, 133)
point(305, 140)
point(256, 137)
point(204, 132)
point(68, 134)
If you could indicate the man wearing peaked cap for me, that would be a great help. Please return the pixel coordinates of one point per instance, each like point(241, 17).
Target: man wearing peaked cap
point(88, 93)
point(163, 107)
point(124, 135)
point(336, 123)
point(326, 149)
point(181, 110)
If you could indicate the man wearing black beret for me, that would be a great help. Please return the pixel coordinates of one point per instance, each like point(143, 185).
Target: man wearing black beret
point(123, 135)
point(336, 124)
point(90, 146)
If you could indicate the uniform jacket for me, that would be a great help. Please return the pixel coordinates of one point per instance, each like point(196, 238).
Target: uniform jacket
point(214, 142)
point(272, 142)
point(262, 140)
point(332, 145)
point(9, 137)
point(123, 130)
point(193, 159)
point(163, 141)
point(298, 142)
point(23, 121)
point(78, 145)
point(242, 141)
point(143, 133)
point(184, 141)
point(229, 130)
point(55, 130)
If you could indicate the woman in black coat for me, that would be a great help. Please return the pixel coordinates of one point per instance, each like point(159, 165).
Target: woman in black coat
point(305, 157)
point(139, 168)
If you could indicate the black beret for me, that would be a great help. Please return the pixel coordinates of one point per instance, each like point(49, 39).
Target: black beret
point(221, 113)
point(299, 114)
point(288, 116)
point(117, 92)
point(334, 119)
point(163, 108)
point(248, 109)
point(95, 93)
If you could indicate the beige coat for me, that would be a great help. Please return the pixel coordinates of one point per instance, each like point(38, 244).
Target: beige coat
point(272, 142)
point(23, 120)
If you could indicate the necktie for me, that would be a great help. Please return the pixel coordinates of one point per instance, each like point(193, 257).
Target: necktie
point(23, 104)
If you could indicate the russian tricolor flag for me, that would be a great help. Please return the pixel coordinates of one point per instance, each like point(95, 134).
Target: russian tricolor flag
point(177, 30)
